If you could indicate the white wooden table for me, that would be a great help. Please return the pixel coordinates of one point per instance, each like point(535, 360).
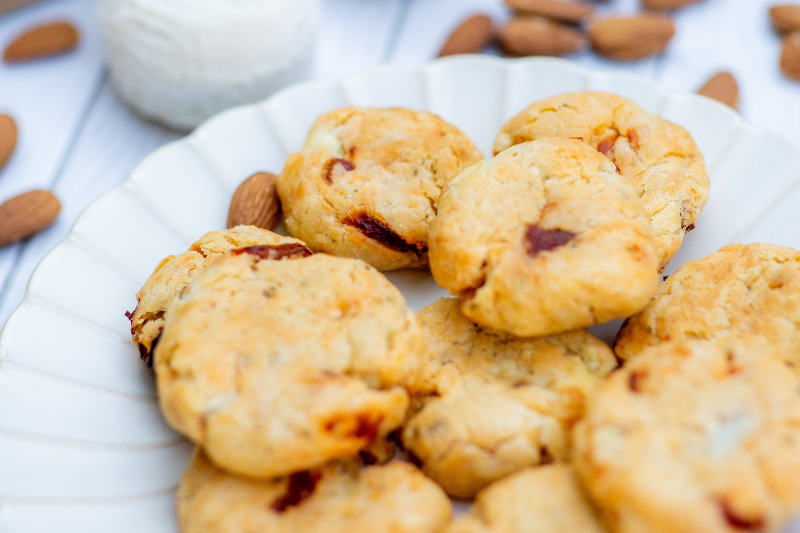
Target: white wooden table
point(78, 140)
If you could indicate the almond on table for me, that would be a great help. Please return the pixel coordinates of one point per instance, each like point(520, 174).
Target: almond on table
point(667, 4)
point(537, 36)
point(785, 18)
point(27, 214)
point(469, 37)
point(568, 11)
point(723, 88)
point(41, 41)
point(9, 5)
point(790, 56)
point(630, 38)
point(8, 139)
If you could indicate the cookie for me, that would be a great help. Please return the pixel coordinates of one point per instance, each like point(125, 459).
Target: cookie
point(174, 273)
point(280, 366)
point(368, 181)
point(742, 289)
point(693, 437)
point(336, 498)
point(493, 404)
point(535, 500)
point(545, 237)
point(658, 158)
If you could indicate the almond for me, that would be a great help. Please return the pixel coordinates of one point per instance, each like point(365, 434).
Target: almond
point(256, 202)
point(8, 139)
point(723, 88)
point(41, 41)
point(536, 36)
point(8, 5)
point(785, 18)
point(790, 56)
point(26, 214)
point(469, 37)
point(667, 4)
point(629, 38)
point(553, 9)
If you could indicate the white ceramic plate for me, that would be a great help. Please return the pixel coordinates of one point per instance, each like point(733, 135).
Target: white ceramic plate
point(83, 447)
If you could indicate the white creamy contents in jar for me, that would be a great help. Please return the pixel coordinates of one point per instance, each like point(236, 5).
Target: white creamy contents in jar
point(182, 61)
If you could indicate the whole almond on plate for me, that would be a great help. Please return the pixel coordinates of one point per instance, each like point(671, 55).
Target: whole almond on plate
point(8, 139)
point(536, 36)
point(629, 38)
point(26, 214)
point(42, 41)
point(667, 4)
point(256, 202)
point(723, 88)
point(553, 9)
point(785, 18)
point(790, 56)
point(469, 37)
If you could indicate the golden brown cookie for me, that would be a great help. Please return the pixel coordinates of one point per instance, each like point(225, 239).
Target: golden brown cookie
point(545, 237)
point(658, 158)
point(173, 275)
point(279, 366)
point(693, 437)
point(336, 498)
point(548, 499)
point(368, 181)
point(493, 404)
point(740, 290)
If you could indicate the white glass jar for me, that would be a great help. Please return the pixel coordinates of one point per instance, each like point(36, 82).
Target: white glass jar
point(181, 61)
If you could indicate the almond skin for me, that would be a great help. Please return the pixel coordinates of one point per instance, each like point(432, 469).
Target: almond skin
point(8, 139)
point(536, 36)
point(27, 214)
point(10, 5)
point(790, 56)
point(256, 202)
point(785, 18)
point(630, 38)
point(667, 4)
point(469, 37)
point(723, 88)
point(41, 41)
point(553, 9)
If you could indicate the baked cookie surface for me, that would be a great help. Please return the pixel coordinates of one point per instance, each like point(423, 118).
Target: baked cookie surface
point(173, 275)
point(693, 437)
point(742, 289)
point(368, 181)
point(545, 237)
point(336, 498)
point(658, 158)
point(536, 500)
point(280, 366)
point(493, 404)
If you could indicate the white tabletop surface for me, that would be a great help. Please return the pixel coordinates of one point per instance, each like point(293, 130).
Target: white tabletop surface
point(77, 139)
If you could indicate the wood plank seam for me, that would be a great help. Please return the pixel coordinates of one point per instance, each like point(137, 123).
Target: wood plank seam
point(55, 177)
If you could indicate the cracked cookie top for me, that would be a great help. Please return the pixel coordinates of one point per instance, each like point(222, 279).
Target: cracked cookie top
point(368, 181)
point(544, 238)
point(740, 290)
point(173, 275)
point(658, 158)
point(335, 498)
point(693, 437)
point(493, 403)
point(279, 366)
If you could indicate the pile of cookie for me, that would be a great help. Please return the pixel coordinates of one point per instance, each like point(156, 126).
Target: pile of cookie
point(320, 402)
